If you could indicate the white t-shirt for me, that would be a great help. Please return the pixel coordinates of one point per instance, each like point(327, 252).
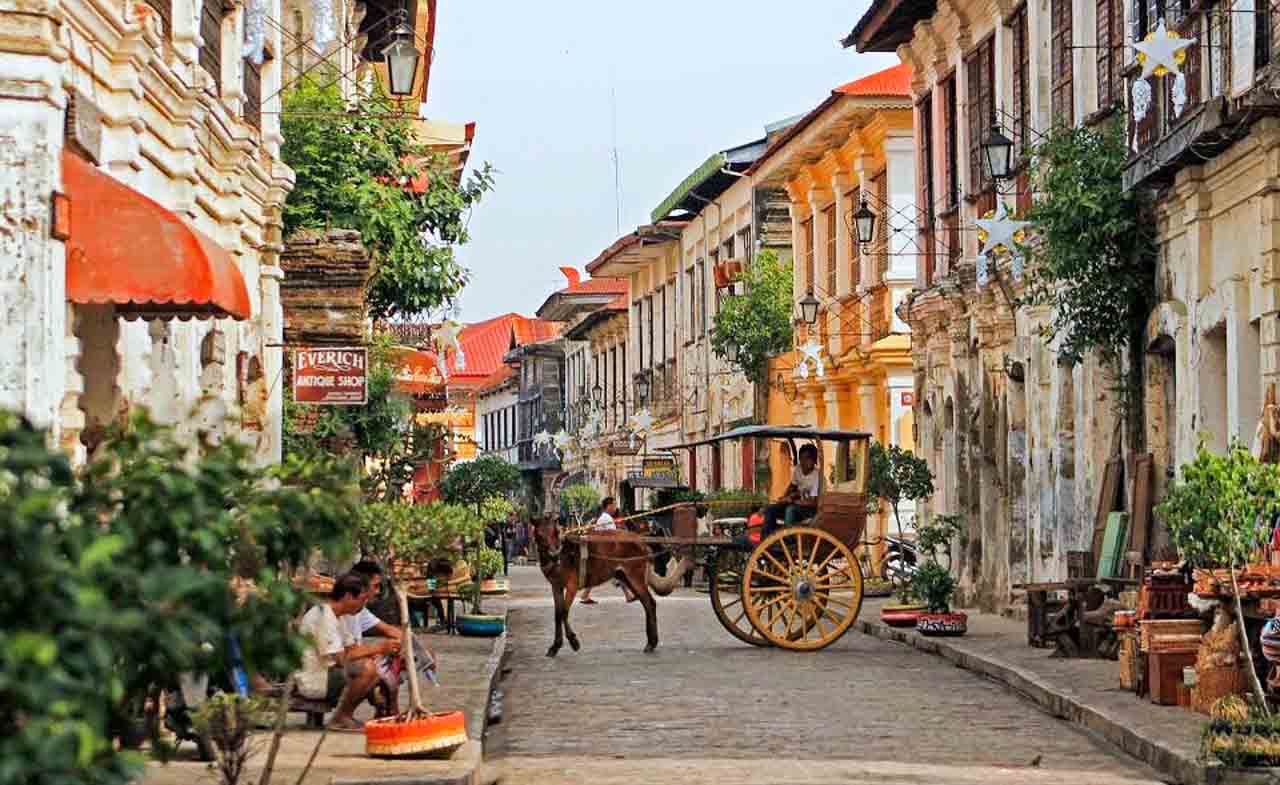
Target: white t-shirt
point(808, 484)
point(328, 638)
point(605, 523)
point(359, 623)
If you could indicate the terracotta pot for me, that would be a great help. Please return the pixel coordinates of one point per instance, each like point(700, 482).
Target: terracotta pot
point(942, 624)
point(435, 733)
point(901, 615)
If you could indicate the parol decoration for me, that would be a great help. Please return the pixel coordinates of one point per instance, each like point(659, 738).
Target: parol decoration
point(255, 30)
point(446, 337)
point(541, 440)
point(641, 422)
point(563, 441)
point(324, 28)
point(997, 231)
point(982, 270)
point(811, 352)
point(1159, 54)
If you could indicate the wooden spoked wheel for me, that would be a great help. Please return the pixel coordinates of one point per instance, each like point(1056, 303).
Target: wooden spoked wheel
point(802, 589)
point(726, 596)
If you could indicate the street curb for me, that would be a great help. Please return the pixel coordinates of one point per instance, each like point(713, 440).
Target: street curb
point(473, 750)
point(1152, 751)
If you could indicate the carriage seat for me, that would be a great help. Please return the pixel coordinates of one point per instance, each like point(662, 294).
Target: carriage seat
point(843, 515)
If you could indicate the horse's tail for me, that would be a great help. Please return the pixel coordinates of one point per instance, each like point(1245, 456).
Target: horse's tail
point(664, 585)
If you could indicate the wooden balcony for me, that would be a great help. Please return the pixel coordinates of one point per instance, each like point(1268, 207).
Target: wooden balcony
point(1165, 140)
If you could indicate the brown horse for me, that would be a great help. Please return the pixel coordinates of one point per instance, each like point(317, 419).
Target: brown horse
point(619, 555)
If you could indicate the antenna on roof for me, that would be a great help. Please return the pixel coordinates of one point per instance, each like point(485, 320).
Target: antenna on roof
point(617, 176)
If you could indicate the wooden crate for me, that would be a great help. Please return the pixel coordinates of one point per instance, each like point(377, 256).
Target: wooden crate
point(1164, 675)
point(1151, 628)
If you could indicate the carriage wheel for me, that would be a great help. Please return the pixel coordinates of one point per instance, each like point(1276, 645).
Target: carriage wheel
point(726, 596)
point(802, 588)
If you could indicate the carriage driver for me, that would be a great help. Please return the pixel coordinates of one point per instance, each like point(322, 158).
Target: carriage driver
point(800, 501)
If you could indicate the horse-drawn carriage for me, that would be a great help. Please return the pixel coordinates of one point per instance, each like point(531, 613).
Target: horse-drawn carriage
point(800, 588)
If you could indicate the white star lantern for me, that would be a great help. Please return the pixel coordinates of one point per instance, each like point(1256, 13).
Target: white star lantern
point(641, 422)
point(445, 337)
point(1160, 53)
point(1000, 231)
point(541, 440)
point(563, 441)
point(811, 352)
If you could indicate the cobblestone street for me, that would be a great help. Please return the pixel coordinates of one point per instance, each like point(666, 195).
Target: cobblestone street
point(706, 708)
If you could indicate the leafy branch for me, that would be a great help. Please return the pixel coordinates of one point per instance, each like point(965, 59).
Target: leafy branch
point(757, 322)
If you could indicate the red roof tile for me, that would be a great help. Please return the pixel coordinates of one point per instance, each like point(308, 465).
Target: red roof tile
point(597, 286)
point(486, 343)
point(895, 81)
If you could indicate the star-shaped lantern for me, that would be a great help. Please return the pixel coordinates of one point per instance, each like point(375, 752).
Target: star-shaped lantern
point(997, 230)
point(563, 441)
point(1162, 52)
point(541, 439)
point(811, 352)
point(445, 338)
point(641, 422)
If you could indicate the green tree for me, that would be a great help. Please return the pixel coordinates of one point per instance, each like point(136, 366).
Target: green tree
point(580, 502)
point(897, 475)
point(758, 322)
point(352, 163)
point(477, 484)
point(1221, 514)
point(115, 581)
point(1093, 261)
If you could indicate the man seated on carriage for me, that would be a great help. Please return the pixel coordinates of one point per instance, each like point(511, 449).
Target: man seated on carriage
point(800, 501)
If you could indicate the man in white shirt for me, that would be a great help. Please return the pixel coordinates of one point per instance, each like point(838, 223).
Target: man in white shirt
point(800, 502)
point(334, 666)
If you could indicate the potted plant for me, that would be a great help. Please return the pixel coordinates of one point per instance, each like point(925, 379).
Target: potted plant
point(727, 273)
point(934, 584)
point(484, 485)
point(488, 566)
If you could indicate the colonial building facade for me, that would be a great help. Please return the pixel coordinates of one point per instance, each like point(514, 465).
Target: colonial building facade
point(854, 151)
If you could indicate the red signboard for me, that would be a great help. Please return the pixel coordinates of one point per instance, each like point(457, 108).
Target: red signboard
point(331, 375)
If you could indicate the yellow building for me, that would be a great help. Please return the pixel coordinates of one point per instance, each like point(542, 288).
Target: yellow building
point(852, 366)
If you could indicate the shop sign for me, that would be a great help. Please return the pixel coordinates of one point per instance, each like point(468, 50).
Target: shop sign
point(331, 376)
point(659, 468)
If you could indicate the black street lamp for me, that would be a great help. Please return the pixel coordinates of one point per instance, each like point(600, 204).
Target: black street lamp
point(864, 222)
point(809, 309)
point(597, 394)
point(401, 57)
point(642, 388)
point(997, 151)
point(731, 352)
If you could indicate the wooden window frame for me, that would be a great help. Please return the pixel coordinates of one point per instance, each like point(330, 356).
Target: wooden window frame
point(164, 10)
point(1109, 59)
point(806, 244)
point(951, 141)
point(833, 226)
point(1061, 71)
point(251, 86)
point(980, 77)
point(212, 15)
point(1019, 39)
point(854, 200)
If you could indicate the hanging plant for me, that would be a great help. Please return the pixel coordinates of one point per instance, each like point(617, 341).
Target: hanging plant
point(757, 324)
point(1093, 258)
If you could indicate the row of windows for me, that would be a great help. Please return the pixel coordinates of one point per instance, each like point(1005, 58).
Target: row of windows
point(700, 309)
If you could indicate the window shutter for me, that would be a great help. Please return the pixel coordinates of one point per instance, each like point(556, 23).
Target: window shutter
point(832, 228)
point(211, 14)
point(1062, 95)
point(253, 94)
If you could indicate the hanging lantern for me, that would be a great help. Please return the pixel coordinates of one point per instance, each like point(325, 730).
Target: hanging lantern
point(997, 152)
point(642, 388)
point(401, 57)
point(597, 394)
point(864, 222)
point(731, 352)
point(809, 309)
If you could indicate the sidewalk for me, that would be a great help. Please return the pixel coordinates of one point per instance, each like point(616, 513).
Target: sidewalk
point(469, 668)
point(1084, 692)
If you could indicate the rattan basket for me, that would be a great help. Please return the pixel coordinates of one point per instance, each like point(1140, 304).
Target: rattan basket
point(1215, 683)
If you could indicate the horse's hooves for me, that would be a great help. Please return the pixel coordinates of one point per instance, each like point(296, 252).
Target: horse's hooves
point(573, 644)
point(650, 648)
point(551, 652)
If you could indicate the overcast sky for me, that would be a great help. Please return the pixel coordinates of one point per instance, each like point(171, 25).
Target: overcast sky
point(691, 77)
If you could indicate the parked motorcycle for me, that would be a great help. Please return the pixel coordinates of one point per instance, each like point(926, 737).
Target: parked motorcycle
point(188, 693)
point(900, 559)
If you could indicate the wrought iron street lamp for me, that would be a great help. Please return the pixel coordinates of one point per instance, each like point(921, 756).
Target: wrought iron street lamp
point(809, 309)
point(597, 394)
point(401, 56)
point(864, 224)
point(997, 152)
point(731, 352)
point(642, 388)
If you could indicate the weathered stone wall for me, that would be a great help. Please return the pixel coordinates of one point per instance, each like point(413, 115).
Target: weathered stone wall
point(326, 276)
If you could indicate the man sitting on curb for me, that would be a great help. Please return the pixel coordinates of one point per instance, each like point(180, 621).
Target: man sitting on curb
point(334, 667)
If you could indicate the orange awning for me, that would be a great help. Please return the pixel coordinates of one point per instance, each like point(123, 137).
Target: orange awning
point(128, 250)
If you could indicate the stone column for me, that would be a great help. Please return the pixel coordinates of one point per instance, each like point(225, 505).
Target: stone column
point(272, 352)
